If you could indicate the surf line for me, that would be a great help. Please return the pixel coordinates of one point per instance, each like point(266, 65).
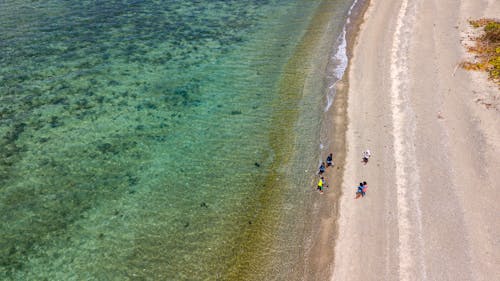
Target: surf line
point(340, 60)
point(403, 119)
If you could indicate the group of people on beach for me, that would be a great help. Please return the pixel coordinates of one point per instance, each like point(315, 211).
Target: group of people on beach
point(322, 169)
point(361, 192)
point(361, 188)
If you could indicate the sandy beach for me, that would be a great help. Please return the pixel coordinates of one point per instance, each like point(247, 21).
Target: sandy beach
point(431, 211)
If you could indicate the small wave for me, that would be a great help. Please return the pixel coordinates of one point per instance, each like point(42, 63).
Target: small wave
point(340, 60)
point(341, 56)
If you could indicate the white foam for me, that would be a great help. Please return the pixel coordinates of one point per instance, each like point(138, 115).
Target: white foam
point(340, 60)
point(341, 56)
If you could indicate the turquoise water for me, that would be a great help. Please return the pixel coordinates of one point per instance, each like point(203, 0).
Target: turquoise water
point(136, 137)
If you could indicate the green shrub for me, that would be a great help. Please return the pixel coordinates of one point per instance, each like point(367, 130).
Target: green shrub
point(487, 49)
point(492, 32)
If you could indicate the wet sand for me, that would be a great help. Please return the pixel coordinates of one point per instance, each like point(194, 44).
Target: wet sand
point(431, 210)
point(320, 255)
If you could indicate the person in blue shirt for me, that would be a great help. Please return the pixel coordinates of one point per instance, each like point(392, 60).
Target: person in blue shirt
point(322, 168)
point(361, 190)
point(329, 160)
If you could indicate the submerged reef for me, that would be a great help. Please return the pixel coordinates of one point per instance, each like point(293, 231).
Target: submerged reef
point(88, 91)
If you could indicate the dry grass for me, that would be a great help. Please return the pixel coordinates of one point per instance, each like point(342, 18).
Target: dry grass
point(486, 49)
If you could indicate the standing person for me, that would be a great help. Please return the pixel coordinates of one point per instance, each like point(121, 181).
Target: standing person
point(320, 184)
point(329, 160)
point(321, 168)
point(366, 156)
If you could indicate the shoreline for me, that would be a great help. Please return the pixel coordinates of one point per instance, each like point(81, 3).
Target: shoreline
point(322, 254)
point(301, 84)
point(429, 213)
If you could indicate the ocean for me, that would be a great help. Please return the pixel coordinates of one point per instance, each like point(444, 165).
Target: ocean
point(163, 140)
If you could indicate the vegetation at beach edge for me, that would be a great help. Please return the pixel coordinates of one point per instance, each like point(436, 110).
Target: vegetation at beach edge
point(486, 49)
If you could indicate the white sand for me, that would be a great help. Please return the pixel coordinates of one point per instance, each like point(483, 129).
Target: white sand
point(432, 209)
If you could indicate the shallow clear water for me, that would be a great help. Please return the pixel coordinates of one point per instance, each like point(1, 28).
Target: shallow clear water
point(136, 137)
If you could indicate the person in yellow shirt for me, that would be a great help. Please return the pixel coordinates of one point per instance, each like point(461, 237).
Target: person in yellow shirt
point(321, 182)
